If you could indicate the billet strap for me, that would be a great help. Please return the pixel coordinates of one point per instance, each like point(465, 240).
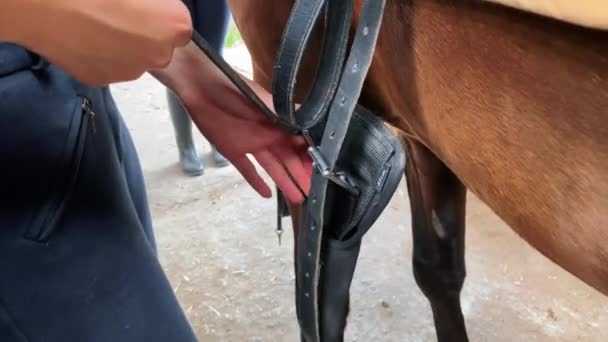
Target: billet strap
point(300, 24)
point(334, 97)
point(325, 156)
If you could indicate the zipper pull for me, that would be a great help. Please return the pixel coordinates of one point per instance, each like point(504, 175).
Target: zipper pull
point(87, 108)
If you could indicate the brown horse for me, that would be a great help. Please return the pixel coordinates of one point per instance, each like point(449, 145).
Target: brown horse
point(510, 105)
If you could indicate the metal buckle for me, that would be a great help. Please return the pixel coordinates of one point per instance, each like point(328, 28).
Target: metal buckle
point(321, 165)
point(337, 177)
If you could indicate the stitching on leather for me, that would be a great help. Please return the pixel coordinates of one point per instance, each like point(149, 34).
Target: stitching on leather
point(298, 53)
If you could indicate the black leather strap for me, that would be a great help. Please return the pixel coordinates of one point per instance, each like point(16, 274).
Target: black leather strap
point(300, 25)
point(325, 119)
point(326, 156)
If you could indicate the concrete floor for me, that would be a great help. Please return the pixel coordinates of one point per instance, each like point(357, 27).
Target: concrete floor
point(217, 243)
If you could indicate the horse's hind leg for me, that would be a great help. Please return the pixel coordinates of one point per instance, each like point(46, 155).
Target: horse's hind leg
point(437, 200)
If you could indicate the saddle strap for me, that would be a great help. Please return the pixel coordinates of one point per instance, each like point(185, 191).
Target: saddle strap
point(325, 156)
point(328, 110)
point(300, 24)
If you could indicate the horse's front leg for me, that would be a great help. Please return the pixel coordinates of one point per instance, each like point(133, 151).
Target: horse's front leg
point(438, 200)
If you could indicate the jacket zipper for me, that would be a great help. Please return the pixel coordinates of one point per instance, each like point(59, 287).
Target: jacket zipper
point(87, 109)
point(63, 193)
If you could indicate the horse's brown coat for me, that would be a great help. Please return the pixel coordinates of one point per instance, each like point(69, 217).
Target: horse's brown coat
point(515, 104)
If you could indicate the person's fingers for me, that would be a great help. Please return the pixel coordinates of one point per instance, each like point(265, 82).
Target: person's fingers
point(305, 158)
point(299, 141)
point(306, 161)
point(294, 164)
point(277, 172)
point(302, 147)
point(251, 175)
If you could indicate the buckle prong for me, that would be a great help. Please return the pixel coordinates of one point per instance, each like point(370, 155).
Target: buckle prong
point(337, 177)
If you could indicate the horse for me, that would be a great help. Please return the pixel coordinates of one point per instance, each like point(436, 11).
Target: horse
point(508, 104)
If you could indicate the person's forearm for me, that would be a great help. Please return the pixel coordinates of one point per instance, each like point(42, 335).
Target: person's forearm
point(98, 41)
point(192, 74)
point(175, 75)
point(195, 79)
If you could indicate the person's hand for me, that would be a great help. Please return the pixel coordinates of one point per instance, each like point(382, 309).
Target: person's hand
point(237, 132)
point(101, 41)
point(236, 127)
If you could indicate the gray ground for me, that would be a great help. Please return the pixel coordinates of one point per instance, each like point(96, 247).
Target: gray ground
point(217, 243)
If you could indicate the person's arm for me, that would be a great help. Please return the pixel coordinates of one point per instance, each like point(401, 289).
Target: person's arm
point(235, 125)
point(98, 41)
point(105, 41)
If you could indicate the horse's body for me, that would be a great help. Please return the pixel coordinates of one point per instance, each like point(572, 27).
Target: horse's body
point(509, 105)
